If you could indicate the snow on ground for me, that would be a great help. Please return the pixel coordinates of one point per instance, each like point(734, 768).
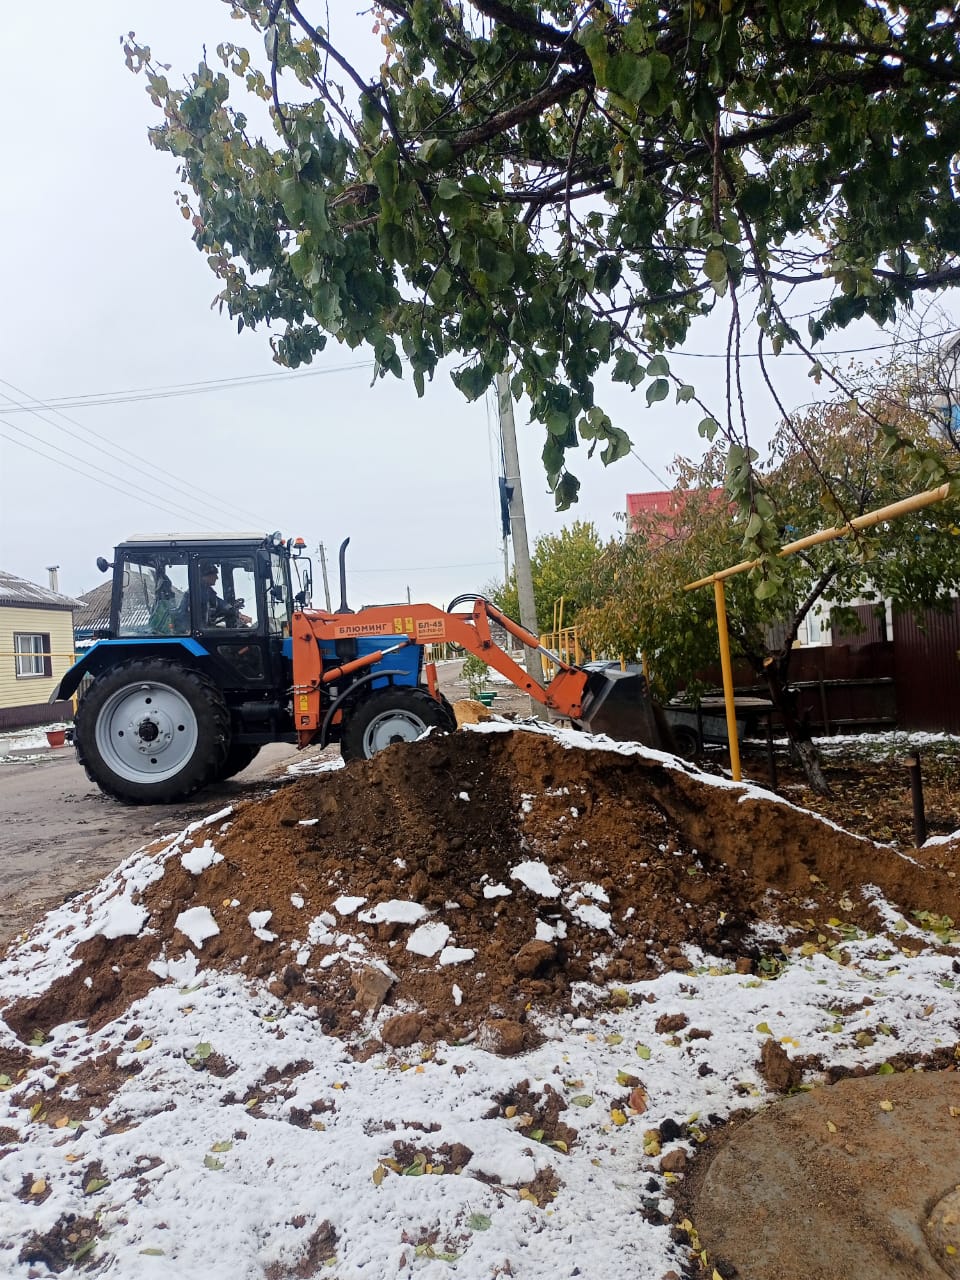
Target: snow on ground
point(32, 739)
point(192, 1180)
point(196, 1175)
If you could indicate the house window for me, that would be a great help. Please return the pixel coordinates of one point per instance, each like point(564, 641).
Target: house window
point(32, 654)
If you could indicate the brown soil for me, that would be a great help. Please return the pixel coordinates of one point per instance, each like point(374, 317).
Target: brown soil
point(694, 863)
point(870, 796)
point(672, 859)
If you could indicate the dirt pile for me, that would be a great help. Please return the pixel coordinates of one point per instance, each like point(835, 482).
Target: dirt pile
point(465, 881)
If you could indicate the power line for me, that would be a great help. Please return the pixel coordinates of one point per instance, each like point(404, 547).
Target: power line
point(94, 399)
point(659, 479)
point(429, 568)
point(98, 479)
point(149, 470)
point(755, 355)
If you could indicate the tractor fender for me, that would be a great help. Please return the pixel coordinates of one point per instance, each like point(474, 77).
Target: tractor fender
point(351, 691)
point(105, 654)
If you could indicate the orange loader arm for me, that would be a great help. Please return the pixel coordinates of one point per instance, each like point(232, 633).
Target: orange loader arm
point(420, 624)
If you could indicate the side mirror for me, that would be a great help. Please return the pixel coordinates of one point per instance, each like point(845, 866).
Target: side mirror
point(103, 565)
point(276, 593)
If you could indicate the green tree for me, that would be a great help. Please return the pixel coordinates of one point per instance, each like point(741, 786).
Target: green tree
point(914, 560)
point(561, 186)
point(563, 566)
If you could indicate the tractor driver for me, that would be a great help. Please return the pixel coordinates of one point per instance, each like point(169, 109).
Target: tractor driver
point(212, 608)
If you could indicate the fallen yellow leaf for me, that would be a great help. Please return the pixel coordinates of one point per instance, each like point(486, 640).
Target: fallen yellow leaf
point(831, 1127)
point(618, 1116)
point(39, 1187)
point(886, 1105)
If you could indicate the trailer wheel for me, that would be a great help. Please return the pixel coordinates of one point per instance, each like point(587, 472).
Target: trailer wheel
point(238, 757)
point(392, 715)
point(686, 741)
point(151, 732)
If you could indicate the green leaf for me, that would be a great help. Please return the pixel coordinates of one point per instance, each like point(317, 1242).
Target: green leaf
point(211, 1162)
point(95, 1185)
point(479, 1222)
point(642, 1051)
point(582, 1100)
point(754, 525)
point(436, 152)
point(658, 390)
point(628, 76)
point(715, 265)
point(708, 428)
point(658, 367)
point(618, 446)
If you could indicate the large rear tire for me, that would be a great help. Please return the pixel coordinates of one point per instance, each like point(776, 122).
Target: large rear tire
point(152, 732)
point(392, 715)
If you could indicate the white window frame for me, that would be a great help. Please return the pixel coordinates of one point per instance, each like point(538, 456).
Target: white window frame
point(35, 652)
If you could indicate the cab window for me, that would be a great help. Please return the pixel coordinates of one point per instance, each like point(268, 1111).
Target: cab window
point(152, 591)
point(226, 594)
point(278, 597)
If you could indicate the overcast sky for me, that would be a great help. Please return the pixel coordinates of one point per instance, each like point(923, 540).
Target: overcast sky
point(105, 293)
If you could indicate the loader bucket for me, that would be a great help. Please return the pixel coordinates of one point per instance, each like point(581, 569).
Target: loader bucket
point(618, 704)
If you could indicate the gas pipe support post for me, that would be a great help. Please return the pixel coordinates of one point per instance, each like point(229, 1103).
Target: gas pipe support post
point(726, 666)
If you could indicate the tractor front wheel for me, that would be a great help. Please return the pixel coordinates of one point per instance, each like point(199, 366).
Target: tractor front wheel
point(391, 715)
point(152, 732)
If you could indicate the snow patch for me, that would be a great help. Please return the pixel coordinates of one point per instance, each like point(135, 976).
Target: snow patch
point(429, 938)
point(537, 878)
point(200, 858)
point(198, 924)
point(395, 911)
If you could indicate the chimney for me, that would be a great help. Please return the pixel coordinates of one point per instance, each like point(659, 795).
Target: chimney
point(54, 580)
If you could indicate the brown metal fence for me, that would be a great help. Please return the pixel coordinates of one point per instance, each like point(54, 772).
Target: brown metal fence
point(865, 680)
point(927, 669)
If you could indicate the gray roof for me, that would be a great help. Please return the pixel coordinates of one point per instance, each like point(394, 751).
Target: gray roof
point(93, 613)
point(17, 591)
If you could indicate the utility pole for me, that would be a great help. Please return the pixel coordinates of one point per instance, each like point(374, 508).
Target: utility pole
point(518, 523)
point(323, 569)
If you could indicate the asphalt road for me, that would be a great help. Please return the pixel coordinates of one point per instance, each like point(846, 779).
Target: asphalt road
point(60, 834)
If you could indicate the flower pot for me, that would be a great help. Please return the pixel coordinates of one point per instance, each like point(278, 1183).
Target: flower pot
point(57, 737)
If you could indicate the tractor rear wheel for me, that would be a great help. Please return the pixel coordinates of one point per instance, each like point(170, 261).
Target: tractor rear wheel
point(152, 732)
point(392, 715)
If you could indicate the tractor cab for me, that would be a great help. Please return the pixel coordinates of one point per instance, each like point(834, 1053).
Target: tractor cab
point(231, 594)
